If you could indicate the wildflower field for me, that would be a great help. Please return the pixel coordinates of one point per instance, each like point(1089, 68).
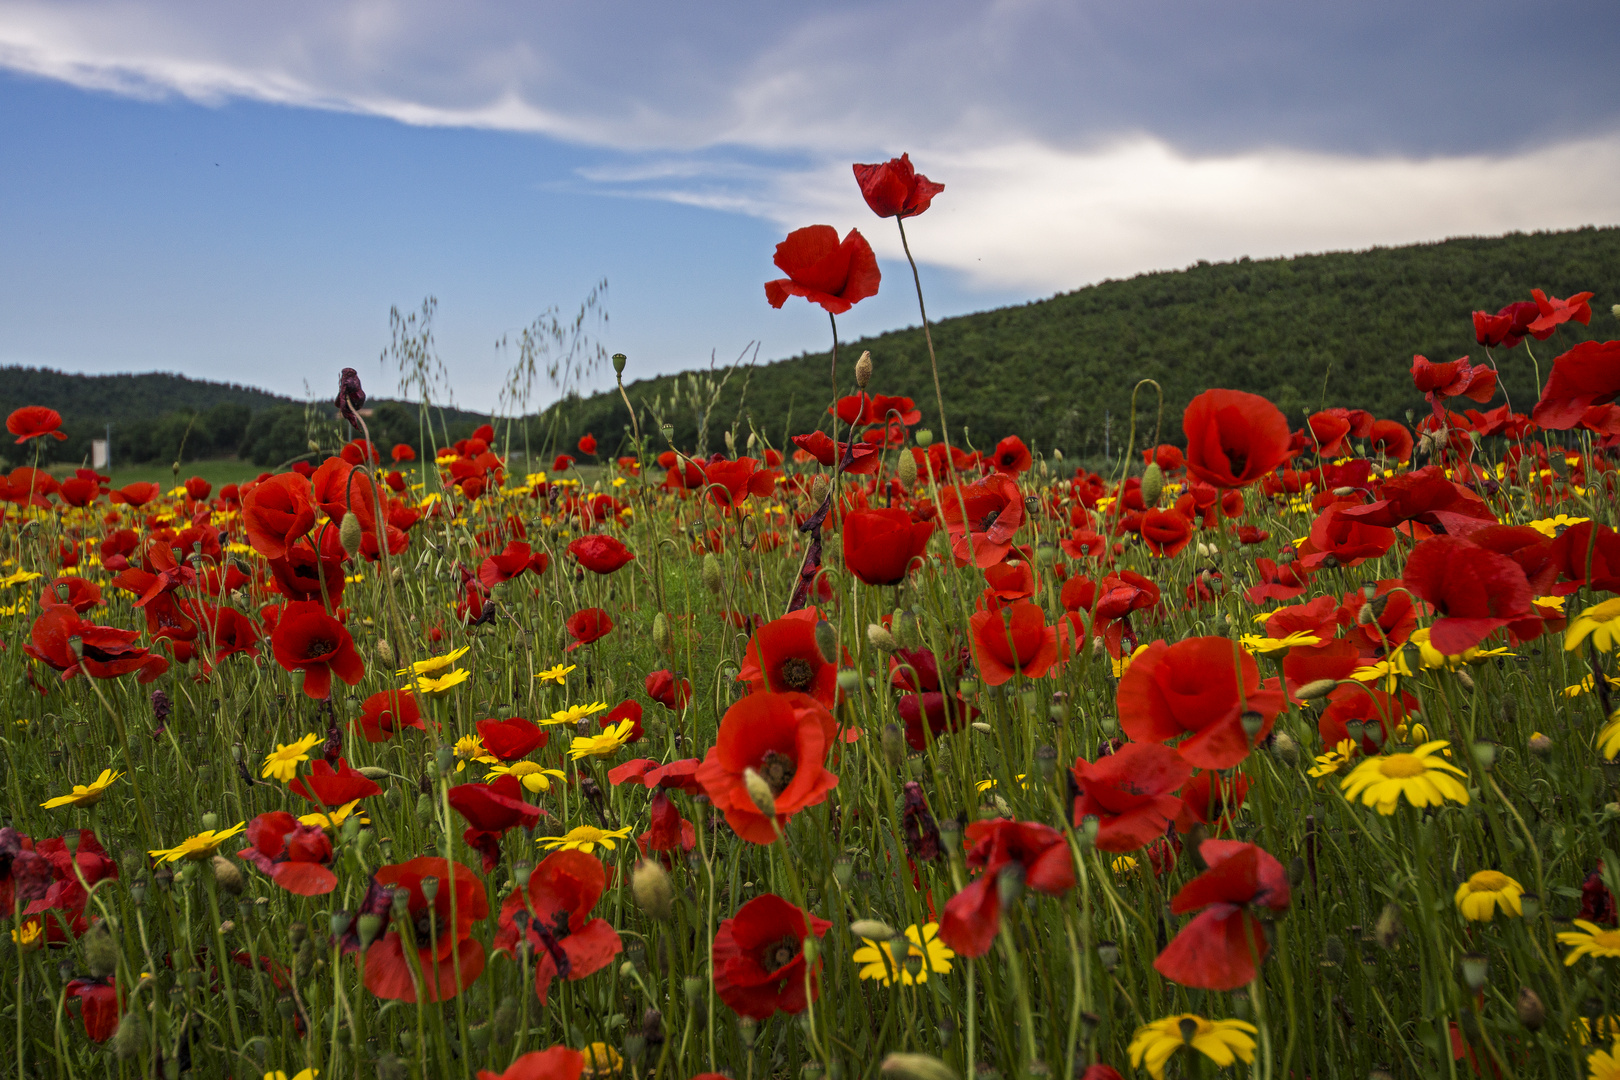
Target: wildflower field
point(1278, 747)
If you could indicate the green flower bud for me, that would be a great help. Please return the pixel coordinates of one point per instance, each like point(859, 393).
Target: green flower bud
point(350, 533)
point(1152, 485)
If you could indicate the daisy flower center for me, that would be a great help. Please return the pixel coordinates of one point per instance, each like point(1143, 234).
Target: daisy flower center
point(1402, 766)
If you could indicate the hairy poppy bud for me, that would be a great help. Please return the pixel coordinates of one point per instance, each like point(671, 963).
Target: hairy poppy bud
point(100, 951)
point(1333, 949)
point(879, 637)
point(130, 1039)
point(654, 893)
point(350, 533)
point(713, 579)
point(916, 1067)
point(894, 745)
point(619, 360)
point(1387, 930)
point(660, 632)
point(1285, 748)
point(1532, 1013)
point(1317, 688)
point(385, 652)
point(1152, 485)
point(906, 631)
point(1465, 679)
point(227, 875)
point(827, 641)
point(906, 469)
point(863, 370)
point(818, 488)
point(872, 929)
point(759, 790)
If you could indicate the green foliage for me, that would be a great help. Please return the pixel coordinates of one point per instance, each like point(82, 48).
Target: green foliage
point(1307, 331)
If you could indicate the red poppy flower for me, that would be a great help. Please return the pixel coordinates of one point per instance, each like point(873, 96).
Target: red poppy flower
point(668, 831)
point(1166, 532)
point(137, 494)
point(785, 739)
point(1587, 375)
point(587, 444)
point(509, 740)
point(75, 592)
point(1192, 688)
point(759, 963)
point(562, 463)
point(276, 512)
point(1277, 582)
point(403, 452)
point(1011, 456)
point(98, 1002)
point(1009, 581)
point(1509, 326)
point(1583, 558)
point(34, 422)
point(447, 954)
point(508, 564)
point(1337, 540)
point(1221, 948)
point(1210, 798)
point(600, 554)
point(631, 711)
point(1328, 431)
point(1457, 378)
point(932, 713)
point(387, 712)
point(664, 688)
point(1474, 591)
point(895, 189)
point(489, 810)
point(1013, 640)
point(296, 857)
point(783, 657)
point(329, 785)
point(824, 271)
point(1364, 715)
point(1427, 496)
point(57, 893)
point(1131, 793)
point(983, 516)
point(1233, 438)
point(1392, 439)
point(104, 652)
point(880, 546)
point(1395, 616)
point(80, 491)
point(557, 1063)
point(554, 916)
point(1554, 312)
point(591, 624)
point(307, 639)
point(199, 489)
point(1038, 854)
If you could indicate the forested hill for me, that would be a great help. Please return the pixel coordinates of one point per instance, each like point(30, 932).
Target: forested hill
point(1338, 329)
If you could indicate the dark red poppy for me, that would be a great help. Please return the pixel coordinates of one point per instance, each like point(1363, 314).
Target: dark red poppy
point(137, 494)
point(509, 740)
point(587, 444)
point(296, 857)
point(1192, 688)
point(600, 554)
point(668, 832)
point(1233, 438)
point(562, 463)
point(784, 738)
point(1211, 798)
point(1011, 456)
point(1583, 558)
point(1220, 949)
point(333, 785)
point(1032, 855)
point(1337, 540)
point(1131, 793)
point(75, 592)
point(1012, 640)
point(759, 962)
point(586, 626)
point(982, 519)
point(34, 422)
point(447, 954)
point(1395, 616)
point(506, 565)
point(1474, 591)
point(1284, 581)
point(1456, 378)
point(932, 713)
point(403, 452)
point(1427, 496)
point(631, 711)
point(669, 691)
point(98, 1002)
point(881, 546)
point(554, 916)
point(307, 639)
point(1328, 431)
point(1509, 326)
point(489, 810)
point(1166, 532)
point(824, 271)
point(895, 189)
point(557, 1063)
point(1587, 375)
point(104, 652)
point(276, 512)
point(61, 905)
point(1392, 439)
point(387, 712)
point(783, 657)
point(1554, 312)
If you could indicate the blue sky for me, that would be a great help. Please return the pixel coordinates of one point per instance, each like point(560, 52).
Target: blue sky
point(242, 191)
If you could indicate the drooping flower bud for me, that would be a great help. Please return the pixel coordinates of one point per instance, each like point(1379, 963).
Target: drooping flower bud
point(1532, 1013)
point(827, 641)
point(351, 397)
point(863, 370)
point(915, 1067)
point(1317, 688)
point(879, 637)
point(1152, 485)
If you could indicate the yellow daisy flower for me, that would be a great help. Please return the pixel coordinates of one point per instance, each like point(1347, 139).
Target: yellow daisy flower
point(436, 665)
point(1600, 622)
point(601, 1060)
point(1124, 864)
point(84, 794)
point(1551, 526)
point(301, 1074)
point(335, 818)
point(1480, 896)
point(1604, 1064)
point(1222, 1041)
point(925, 953)
point(1609, 737)
point(198, 847)
point(471, 748)
point(1434, 658)
point(584, 838)
point(283, 763)
point(1260, 643)
point(1335, 759)
point(533, 776)
point(608, 742)
point(575, 713)
point(1120, 665)
point(442, 684)
point(557, 674)
point(19, 578)
point(1423, 779)
point(30, 935)
point(1590, 940)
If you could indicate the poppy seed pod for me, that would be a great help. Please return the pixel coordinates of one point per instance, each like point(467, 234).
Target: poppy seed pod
point(1475, 970)
point(863, 370)
point(619, 360)
point(1152, 485)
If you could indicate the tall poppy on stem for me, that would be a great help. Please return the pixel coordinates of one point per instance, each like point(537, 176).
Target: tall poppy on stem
point(1131, 794)
point(784, 739)
point(554, 916)
point(895, 188)
point(1013, 640)
point(490, 810)
point(1220, 948)
point(35, 422)
point(759, 961)
point(307, 639)
point(881, 546)
point(1013, 855)
point(1233, 438)
point(1196, 687)
point(836, 275)
point(447, 955)
point(1475, 591)
point(784, 657)
point(296, 857)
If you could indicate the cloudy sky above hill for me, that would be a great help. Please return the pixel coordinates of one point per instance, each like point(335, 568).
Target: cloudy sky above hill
point(242, 190)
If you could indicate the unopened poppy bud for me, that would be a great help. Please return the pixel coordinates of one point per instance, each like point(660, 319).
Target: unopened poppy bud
point(130, 1039)
point(1465, 679)
point(827, 641)
point(1333, 949)
point(1316, 688)
point(1296, 871)
point(1475, 969)
point(849, 681)
point(445, 758)
point(100, 951)
point(747, 1028)
point(906, 470)
point(693, 986)
point(1365, 616)
point(1108, 954)
point(1387, 930)
point(872, 929)
point(879, 637)
point(818, 488)
point(350, 533)
point(226, 874)
point(1532, 1013)
point(619, 360)
point(1010, 882)
point(654, 892)
point(863, 370)
point(1539, 745)
point(1152, 485)
point(1285, 748)
point(924, 438)
point(894, 745)
point(660, 632)
point(506, 1019)
point(915, 1067)
point(811, 947)
point(1485, 754)
point(210, 821)
point(369, 926)
point(759, 790)
point(385, 652)
point(906, 629)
